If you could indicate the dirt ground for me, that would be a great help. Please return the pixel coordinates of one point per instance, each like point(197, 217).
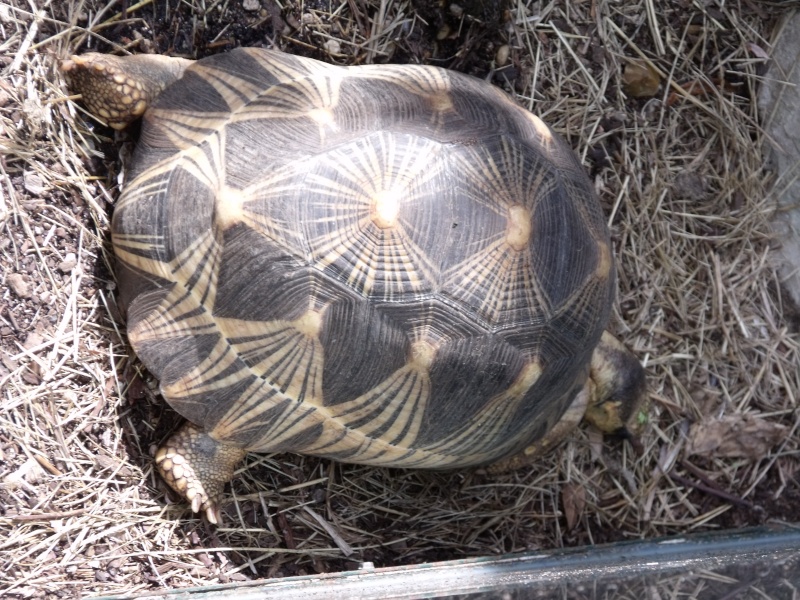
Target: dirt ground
point(657, 98)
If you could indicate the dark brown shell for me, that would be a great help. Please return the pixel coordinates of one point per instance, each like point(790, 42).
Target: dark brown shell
point(383, 264)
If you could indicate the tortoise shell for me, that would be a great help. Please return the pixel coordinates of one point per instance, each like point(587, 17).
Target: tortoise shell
point(389, 265)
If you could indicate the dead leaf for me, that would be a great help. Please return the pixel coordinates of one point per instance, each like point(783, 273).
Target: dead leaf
point(573, 497)
point(639, 79)
point(757, 51)
point(735, 436)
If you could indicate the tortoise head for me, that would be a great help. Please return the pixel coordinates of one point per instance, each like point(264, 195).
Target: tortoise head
point(118, 89)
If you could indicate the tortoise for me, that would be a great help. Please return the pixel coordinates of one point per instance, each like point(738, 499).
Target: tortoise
point(386, 265)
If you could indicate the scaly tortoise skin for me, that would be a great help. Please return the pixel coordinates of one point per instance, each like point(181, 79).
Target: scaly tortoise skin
point(388, 265)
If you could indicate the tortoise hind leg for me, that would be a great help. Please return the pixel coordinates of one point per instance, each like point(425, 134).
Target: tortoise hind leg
point(197, 467)
point(118, 89)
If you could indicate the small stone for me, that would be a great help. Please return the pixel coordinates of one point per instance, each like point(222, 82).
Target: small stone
point(20, 285)
point(333, 47)
point(251, 5)
point(34, 339)
point(101, 576)
point(501, 56)
point(70, 262)
point(33, 182)
point(31, 472)
point(639, 79)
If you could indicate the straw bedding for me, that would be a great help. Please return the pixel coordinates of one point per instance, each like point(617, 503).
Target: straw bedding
point(658, 99)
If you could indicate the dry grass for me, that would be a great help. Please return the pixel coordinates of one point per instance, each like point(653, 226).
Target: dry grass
point(685, 189)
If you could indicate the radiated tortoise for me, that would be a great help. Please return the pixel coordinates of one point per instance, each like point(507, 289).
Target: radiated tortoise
point(389, 265)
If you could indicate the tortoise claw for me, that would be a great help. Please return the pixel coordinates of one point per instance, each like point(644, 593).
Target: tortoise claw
point(197, 467)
